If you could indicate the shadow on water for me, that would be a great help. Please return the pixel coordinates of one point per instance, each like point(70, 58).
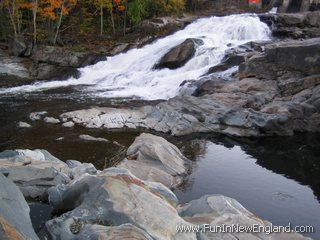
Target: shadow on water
point(277, 178)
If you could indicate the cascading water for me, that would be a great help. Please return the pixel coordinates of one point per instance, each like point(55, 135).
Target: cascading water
point(131, 74)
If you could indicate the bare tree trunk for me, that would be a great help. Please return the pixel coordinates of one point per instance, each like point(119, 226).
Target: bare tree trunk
point(112, 21)
point(101, 19)
point(58, 25)
point(34, 11)
point(11, 14)
point(125, 19)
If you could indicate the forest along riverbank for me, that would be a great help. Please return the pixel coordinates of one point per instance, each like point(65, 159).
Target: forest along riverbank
point(251, 101)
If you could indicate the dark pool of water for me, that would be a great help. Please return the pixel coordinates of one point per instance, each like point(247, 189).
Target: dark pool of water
point(278, 179)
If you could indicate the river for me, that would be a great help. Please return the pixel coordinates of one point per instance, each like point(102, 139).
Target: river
point(275, 178)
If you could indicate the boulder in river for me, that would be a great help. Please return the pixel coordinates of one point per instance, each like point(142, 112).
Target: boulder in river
point(15, 223)
point(153, 158)
point(179, 55)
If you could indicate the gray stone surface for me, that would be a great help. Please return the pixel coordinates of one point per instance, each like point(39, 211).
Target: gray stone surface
point(36, 171)
point(24, 125)
point(218, 210)
point(152, 158)
point(51, 120)
point(283, 60)
point(15, 223)
point(179, 55)
point(112, 198)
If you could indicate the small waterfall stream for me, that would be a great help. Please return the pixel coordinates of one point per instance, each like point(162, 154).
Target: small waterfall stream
point(131, 74)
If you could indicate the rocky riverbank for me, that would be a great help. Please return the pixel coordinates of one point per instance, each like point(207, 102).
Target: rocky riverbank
point(115, 203)
point(20, 65)
point(274, 92)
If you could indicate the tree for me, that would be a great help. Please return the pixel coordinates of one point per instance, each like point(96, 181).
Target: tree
point(33, 6)
point(102, 4)
point(13, 7)
point(55, 10)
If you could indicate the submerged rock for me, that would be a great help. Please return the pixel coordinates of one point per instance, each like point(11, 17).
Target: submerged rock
point(179, 55)
point(154, 159)
point(112, 198)
point(51, 120)
point(24, 125)
point(15, 223)
point(90, 138)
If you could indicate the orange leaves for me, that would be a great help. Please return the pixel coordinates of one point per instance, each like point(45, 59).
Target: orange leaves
point(119, 5)
point(51, 8)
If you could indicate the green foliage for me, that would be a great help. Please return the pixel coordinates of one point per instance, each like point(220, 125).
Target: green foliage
point(139, 10)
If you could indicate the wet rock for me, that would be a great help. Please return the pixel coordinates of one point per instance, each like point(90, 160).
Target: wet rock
point(15, 221)
point(179, 55)
point(278, 61)
point(294, 25)
point(64, 58)
point(13, 71)
point(112, 198)
point(90, 138)
point(51, 120)
point(37, 115)
point(217, 210)
point(69, 124)
point(24, 125)
point(44, 71)
point(152, 158)
point(18, 47)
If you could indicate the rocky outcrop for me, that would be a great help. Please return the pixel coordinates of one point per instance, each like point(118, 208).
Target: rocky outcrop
point(290, 6)
point(36, 171)
point(284, 60)
point(13, 71)
point(179, 55)
point(217, 211)
point(15, 221)
point(152, 158)
point(294, 25)
point(112, 198)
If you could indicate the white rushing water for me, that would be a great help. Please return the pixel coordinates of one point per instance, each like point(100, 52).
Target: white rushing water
point(131, 74)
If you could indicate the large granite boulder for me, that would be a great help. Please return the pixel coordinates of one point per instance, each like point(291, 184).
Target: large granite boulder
point(15, 223)
point(36, 171)
point(112, 198)
point(211, 211)
point(284, 60)
point(153, 158)
point(179, 55)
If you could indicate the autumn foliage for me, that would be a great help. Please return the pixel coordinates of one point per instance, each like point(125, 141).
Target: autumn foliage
point(46, 20)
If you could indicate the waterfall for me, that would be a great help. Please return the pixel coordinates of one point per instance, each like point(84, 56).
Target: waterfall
point(131, 74)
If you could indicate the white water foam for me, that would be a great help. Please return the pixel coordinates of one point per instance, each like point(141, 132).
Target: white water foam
point(131, 74)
